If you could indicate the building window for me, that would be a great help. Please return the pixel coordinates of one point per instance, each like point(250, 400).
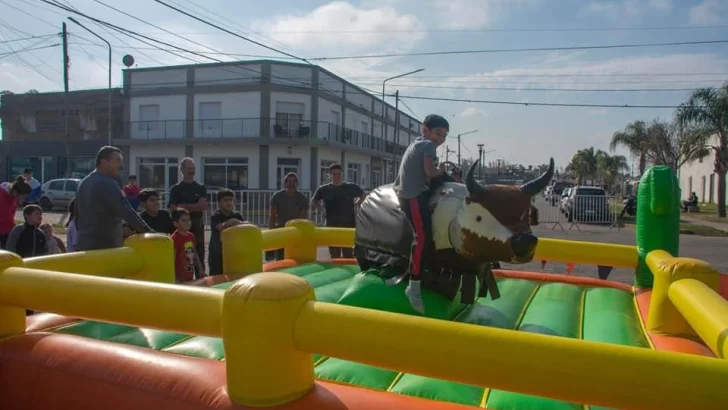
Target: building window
point(148, 116)
point(210, 119)
point(352, 173)
point(231, 173)
point(325, 174)
point(79, 167)
point(41, 166)
point(284, 166)
point(158, 173)
point(289, 119)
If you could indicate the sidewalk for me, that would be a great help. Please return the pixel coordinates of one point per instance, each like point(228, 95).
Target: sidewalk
point(696, 221)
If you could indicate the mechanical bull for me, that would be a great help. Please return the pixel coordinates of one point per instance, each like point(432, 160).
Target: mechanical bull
point(474, 226)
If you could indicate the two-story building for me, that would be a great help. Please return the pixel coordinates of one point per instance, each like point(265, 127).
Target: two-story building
point(34, 131)
point(249, 123)
point(700, 177)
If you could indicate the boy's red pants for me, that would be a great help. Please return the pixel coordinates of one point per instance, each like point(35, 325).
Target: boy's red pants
point(423, 247)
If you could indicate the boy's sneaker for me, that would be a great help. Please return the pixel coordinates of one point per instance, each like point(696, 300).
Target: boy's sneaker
point(414, 294)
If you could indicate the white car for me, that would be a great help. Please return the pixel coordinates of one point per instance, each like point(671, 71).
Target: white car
point(57, 193)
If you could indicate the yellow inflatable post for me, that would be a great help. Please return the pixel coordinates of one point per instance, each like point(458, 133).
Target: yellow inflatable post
point(304, 249)
point(265, 370)
point(663, 317)
point(242, 249)
point(157, 254)
point(12, 319)
point(705, 310)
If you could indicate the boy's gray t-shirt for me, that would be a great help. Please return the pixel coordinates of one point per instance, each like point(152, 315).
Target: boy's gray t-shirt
point(411, 179)
point(288, 207)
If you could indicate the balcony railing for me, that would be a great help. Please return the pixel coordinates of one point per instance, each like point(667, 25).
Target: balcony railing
point(232, 128)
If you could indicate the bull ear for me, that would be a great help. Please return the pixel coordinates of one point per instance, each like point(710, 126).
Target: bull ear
point(474, 188)
point(539, 184)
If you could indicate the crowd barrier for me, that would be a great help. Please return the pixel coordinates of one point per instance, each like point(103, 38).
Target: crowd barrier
point(276, 366)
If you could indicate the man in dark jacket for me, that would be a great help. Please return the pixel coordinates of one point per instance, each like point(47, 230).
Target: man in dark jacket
point(27, 240)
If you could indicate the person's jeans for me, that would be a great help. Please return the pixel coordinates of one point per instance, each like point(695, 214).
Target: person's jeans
point(274, 255)
point(199, 231)
point(337, 252)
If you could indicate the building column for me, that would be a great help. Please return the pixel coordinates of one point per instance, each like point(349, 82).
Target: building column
point(263, 166)
point(190, 107)
point(314, 124)
point(343, 164)
point(315, 168)
point(265, 114)
point(126, 99)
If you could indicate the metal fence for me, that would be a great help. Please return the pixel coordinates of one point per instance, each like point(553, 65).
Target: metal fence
point(572, 211)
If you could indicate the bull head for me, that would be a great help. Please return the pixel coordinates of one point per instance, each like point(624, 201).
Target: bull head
point(495, 222)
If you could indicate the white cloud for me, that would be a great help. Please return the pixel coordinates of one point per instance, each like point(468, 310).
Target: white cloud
point(709, 12)
point(472, 112)
point(475, 14)
point(379, 24)
point(627, 9)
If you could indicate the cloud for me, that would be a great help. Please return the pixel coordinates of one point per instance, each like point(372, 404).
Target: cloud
point(298, 30)
point(475, 14)
point(627, 9)
point(709, 12)
point(472, 112)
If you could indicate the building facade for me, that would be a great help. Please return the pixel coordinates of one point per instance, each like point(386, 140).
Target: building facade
point(247, 124)
point(700, 177)
point(34, 132)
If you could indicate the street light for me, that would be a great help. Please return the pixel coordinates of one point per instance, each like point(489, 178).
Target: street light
point(384, 105)
point(108, 44)
point(460, 135)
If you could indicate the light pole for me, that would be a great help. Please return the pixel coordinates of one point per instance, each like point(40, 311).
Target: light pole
point(460, 135)
point(384, 106)
point(108, 44)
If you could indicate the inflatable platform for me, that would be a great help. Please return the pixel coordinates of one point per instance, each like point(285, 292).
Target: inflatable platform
point(308, 334)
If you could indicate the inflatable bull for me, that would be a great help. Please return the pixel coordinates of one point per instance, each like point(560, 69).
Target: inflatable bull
point(473, 227)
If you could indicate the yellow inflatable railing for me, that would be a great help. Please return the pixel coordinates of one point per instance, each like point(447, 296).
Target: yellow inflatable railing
point(271, 324)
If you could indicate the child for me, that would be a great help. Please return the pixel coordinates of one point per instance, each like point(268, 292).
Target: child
point(10, 196)
point(71, 228)
point(225, 217)
point(55, 245)
point(157, 219)
point(186, 261)
point(27, 240)
point(416, 170)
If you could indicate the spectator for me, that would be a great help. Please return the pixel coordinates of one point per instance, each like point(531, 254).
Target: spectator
point(692, 201)
point(157, 219)
point(34, 185)
point(101, 205)
point(285, 205)
point(71, 227)
point(225, 217)
point(186, 260)
point(27, 240)
point(9, 200)
point(54, 243)
point(340, 200)
point(192, 196)
point(131, 191)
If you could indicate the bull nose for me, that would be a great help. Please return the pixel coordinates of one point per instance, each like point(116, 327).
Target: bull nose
point(523, 244)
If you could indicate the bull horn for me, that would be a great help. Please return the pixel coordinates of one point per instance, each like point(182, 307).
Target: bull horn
point(537, 185)
point(474, 188)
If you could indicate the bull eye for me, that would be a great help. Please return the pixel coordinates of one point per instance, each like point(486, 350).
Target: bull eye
point(478, 218)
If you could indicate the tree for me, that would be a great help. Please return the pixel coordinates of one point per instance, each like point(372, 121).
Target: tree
point(6, 92)
point(634, 138)
point(610, 167)
point(674, 145)
point(585, 164)
point(32, 91)
point(708, 108)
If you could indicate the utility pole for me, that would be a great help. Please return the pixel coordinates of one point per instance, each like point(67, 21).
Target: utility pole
point(395, 137)
point(459, 163)
point(480, 158)
point(65, 100)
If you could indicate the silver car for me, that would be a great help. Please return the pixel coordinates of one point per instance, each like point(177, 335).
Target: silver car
point(57, 193)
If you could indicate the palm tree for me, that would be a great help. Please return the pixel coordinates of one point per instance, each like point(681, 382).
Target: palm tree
point(634, 138)
point(611, 166)
point(708, 108)
point(585, 164)
point(674, 145)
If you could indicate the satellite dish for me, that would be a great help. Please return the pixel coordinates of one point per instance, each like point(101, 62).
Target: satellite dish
point(128, 60)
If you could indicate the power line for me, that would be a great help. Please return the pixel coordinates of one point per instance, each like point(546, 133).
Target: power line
point(230, 32)
point(544, 89)
point(516, 50)
point(538, 104)
point(561, 75)
point(15, 52)
point(27, 38)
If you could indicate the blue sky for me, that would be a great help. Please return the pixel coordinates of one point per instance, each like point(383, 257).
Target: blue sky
point(309, 28)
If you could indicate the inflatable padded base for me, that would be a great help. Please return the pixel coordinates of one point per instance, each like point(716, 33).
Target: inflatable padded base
point(369, 290)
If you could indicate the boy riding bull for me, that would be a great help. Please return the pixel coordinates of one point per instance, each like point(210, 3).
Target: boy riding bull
point(412, 187)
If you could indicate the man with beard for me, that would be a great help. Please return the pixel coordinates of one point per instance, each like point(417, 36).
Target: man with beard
point(192, 196)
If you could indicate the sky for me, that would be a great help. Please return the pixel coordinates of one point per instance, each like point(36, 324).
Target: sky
point(516, 133)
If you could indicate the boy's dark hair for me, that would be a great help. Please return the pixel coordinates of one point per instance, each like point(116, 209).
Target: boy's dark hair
point(225, 193)
point(132, 177)
point(20, 187)
point(105, 153)
point(433, 121)
point(29, 209)
point(178, 213)
point(335, 166)
point(146, 194)
point(28, 171)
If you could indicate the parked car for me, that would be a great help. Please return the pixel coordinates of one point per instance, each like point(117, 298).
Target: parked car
point(588, 204)
point(556, 191)
point(57, 193)
point(564, 198)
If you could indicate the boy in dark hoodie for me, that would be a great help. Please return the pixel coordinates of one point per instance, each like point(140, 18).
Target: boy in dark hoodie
point(27, 240)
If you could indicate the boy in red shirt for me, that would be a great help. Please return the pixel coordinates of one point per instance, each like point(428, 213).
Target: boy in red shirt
point(186, 261)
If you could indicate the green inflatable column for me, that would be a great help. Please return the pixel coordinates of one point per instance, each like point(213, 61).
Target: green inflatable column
point(658, 218)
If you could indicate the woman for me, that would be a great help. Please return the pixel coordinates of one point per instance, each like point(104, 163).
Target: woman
point(9, 200)
point(71, 229)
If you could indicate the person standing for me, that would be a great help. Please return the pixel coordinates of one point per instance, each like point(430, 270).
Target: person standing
point(192, 196)
point(102, 207)
point(34, 186)
point(158, 219)
point(340, 200)
point(131, 190)
point(9, 200)
point(286, 205)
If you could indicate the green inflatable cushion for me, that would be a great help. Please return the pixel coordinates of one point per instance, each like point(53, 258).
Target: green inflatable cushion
point(369, 290)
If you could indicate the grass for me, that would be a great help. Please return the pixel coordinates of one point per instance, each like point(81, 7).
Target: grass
point(708, 213)
point(686, 228)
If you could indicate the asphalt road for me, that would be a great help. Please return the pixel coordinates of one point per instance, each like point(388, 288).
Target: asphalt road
point(709, 249)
